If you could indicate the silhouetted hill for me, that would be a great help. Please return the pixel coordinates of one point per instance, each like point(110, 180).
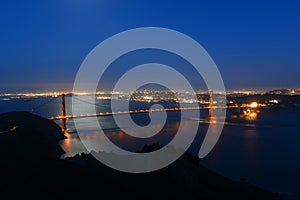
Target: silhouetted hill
point(29, 137)
point(30, 169)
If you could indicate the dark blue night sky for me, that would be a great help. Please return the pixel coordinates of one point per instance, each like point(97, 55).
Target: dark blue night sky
point(255, 44)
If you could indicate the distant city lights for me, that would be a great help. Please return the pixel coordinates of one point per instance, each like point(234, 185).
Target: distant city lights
point(254, 105)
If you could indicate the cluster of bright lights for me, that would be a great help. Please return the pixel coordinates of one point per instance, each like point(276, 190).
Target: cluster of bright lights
point(254, 105)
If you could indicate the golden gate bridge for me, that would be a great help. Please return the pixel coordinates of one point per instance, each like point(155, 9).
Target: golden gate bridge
point(63, 117)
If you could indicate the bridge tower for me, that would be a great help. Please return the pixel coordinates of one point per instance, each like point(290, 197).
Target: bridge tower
point(211, 102)
point(63, 113)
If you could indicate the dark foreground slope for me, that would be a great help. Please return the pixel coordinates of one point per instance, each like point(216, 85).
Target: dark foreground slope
point(30, 168)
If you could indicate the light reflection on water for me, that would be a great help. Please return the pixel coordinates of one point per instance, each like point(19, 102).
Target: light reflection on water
point(73, 144)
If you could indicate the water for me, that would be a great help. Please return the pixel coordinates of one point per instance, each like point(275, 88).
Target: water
point(266, 155)
point(263, 150)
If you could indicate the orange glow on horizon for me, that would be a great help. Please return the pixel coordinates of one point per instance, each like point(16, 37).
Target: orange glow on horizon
point(254, 105)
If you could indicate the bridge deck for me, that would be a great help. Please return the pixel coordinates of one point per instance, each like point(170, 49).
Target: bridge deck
point(136, 112)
